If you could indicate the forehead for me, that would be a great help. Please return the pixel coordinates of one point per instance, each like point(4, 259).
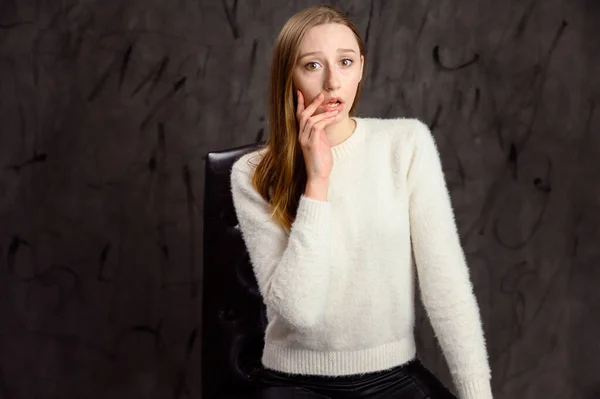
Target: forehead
point(328, 37)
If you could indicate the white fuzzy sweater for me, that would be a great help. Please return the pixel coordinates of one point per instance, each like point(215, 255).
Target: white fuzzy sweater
point(339, 289)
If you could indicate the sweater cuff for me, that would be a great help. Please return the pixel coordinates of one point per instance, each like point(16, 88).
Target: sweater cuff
point(475, 389)
point(313, 212)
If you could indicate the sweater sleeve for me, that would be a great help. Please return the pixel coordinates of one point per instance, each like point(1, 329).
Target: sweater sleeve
point(292, 270)
point(443, 275)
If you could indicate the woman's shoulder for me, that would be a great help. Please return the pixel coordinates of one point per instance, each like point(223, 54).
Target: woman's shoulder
point(400, 130)
point(398, 125)
point(247, 161)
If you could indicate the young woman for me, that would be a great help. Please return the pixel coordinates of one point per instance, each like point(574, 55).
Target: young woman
point(335, 211)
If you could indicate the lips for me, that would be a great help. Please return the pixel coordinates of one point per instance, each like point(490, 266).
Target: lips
point(333, 100)
point(327, 108)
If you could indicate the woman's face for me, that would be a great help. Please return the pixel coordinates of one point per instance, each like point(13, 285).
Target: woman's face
point(330, 63)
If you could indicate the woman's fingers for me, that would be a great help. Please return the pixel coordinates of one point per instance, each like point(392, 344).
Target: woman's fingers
point(307, 112)
point(313, 105)
point(319, 126)
point(312, 121)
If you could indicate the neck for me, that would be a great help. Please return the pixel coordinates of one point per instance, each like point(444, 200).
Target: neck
point(339, 132)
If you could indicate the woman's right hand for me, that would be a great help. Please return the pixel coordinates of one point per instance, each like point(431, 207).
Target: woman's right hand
point(313, 141)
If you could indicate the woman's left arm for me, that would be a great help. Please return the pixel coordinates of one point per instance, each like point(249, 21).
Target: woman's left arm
point(443, 274)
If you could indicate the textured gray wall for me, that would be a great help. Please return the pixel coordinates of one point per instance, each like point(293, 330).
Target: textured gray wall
point(108, 107)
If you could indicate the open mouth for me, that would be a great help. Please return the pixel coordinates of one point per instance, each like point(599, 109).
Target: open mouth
point(332, 106)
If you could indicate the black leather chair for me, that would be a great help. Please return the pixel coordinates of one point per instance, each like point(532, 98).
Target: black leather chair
point(233, 313)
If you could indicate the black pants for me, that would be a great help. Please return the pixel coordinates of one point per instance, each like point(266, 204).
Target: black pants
point(409, 381)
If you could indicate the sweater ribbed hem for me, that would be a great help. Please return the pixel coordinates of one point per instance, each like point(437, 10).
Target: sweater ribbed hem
point(313, 212)
point(336, 363)
point(475, 389)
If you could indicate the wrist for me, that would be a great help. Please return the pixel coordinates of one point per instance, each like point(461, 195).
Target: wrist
point(317, 189)
point(318, 181)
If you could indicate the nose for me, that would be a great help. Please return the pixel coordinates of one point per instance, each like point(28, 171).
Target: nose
point(332, 80)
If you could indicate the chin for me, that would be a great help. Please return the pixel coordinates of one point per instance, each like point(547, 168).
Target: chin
point(338, 120)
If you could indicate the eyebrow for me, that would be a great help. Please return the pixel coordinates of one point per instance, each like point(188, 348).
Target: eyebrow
point(340, 50)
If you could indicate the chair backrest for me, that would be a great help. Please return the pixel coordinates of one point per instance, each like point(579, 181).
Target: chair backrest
point(233, 313)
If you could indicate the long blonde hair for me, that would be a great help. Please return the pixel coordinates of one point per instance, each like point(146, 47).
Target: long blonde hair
point(280, 177)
